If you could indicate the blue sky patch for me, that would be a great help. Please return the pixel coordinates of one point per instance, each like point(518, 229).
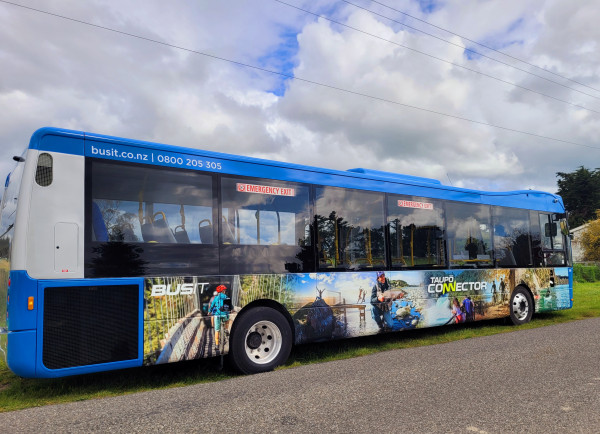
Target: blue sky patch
point(282, 59)
point(429, 6)
point(496, 41)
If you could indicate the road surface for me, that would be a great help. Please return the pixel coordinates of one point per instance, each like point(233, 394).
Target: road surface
point(542, 380)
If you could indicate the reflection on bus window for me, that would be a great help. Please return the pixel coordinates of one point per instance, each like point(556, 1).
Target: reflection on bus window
point(8, 208)
point(350, 226)
point(552, 239)
point(469, 234)
point(264, 212)
point(150, 205)
point(416, 228)
point(511, 237)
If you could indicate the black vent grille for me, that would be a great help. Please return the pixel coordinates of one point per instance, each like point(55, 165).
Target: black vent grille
point(86, 325)
point(43, 173)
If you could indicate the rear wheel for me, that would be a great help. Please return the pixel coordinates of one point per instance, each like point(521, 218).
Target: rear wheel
point(521, 306)
point(261, 340)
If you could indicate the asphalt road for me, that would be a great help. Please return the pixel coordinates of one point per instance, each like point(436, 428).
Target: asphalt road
point(542, 380)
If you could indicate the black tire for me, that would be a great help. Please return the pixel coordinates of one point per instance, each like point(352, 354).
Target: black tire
point(521, 306)
point(261, 340)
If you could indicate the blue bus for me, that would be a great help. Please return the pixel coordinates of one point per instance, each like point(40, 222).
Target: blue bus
point(118, 253)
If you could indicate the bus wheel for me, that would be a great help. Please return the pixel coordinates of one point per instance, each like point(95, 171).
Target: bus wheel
point(261, 340)
point(521, 306)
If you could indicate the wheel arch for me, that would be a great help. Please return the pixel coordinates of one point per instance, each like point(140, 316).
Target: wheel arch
point(266, 303)
point(526, 288)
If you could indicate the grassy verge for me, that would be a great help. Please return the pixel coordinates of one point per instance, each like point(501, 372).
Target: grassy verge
point(18, 393)
point(586, 273)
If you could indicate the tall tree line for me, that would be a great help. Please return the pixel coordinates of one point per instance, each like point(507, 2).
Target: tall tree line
point(580, 191)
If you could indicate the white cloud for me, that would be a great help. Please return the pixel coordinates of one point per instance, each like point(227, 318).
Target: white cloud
point(66, 74)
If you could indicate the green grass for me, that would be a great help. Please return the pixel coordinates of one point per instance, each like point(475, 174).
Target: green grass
point(586, 273)
point(18, 393)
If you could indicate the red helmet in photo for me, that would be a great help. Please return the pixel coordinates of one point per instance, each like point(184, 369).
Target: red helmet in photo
point(221, 288)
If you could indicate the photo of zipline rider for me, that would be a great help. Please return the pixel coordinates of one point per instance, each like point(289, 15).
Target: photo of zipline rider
point(219, 308)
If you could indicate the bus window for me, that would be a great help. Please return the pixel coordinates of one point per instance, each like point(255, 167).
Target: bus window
point(263, 226)
point(416, 228)
point(511, 237)
point(350, 227)
point(149, 205)
point(536, 239)
point(469, 234)
point(552, 239)
point(8, 209)
point(264, 212)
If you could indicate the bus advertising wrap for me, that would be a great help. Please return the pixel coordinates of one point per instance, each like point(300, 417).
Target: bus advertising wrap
point(191, 317)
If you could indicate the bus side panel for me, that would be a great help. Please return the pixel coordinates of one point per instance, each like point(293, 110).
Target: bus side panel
point(89, 326)
point(181, 322)
point(552, 288)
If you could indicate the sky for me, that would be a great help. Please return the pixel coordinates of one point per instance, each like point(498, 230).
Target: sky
point(374, 104)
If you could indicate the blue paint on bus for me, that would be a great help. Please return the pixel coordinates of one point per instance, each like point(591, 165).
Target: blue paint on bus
point(26, 328)
point(43, 372)
point(114, 148)
point(21, 288)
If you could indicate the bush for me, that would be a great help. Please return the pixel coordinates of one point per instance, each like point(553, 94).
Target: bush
point(586, 273)
point(590, 240)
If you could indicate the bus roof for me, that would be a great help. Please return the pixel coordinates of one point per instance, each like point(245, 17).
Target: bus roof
point(120, 149)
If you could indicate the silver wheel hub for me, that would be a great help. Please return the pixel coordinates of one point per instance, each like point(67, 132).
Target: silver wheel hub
point(520, 307)
point(263, 342)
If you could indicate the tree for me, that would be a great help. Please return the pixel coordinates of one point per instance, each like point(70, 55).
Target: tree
point(590, 240)
point(580, 191)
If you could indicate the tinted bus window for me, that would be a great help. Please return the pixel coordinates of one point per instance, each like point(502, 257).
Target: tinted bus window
point(8, 210)
point(469, 234)
point(416, 228)
point(511, 237)
point(552, 239)
point(264, 212)
point(265, 226)
point(350, 225)
point(143, 220)
point(537, 255)
point(150, 205)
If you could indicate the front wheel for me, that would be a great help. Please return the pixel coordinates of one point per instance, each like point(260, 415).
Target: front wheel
point(521, 306)
point(261, 341)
